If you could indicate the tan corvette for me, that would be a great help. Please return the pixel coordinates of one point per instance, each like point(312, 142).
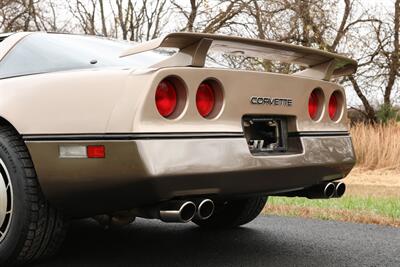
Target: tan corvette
point(91, 127)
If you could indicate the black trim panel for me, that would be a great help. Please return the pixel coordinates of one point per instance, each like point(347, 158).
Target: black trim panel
point(144, 136)
point(318, 134)
point(131, 136)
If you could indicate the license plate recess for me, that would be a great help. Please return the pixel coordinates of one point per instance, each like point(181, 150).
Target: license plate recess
point(266, 134)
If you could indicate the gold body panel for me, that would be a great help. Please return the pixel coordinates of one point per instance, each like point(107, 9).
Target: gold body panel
point(143, 172)
point(195, 156)
point(123, 101)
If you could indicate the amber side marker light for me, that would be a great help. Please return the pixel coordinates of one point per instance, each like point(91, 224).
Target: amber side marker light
point(205, 99)
point(166, 98)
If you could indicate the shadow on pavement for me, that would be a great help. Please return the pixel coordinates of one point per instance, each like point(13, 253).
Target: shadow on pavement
point(152, 243)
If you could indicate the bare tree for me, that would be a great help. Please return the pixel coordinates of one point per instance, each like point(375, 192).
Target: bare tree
point(103, 18)
point(313, 23)
point(85, 13)
point(124, 17)
point(19, 15)
point(209, 16)
point(379, 68)
point(393, 57)
point(139, 20)
point(191, 15)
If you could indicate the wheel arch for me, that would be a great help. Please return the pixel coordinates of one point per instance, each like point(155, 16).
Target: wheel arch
point(6, 122)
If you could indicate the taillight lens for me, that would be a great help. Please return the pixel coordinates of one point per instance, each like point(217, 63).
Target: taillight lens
point(313, 105)
point(205, 99)
point(333, 106)
point(166, 98)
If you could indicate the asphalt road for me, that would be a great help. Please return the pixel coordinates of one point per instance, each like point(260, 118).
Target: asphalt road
point(268, 241)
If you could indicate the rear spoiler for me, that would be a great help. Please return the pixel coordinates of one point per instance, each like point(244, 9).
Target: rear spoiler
point(193, 49)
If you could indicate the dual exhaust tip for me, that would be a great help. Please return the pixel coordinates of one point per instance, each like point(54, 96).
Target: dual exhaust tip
point(328, 190)
point(320, 191)
point(335, 189)
point(201, 209)
point(184, 211)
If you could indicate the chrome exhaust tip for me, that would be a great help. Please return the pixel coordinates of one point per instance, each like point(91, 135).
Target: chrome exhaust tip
point(319, 191)
point(340, 189)
point(329, 190)
point(178, 211)
point(205, 208)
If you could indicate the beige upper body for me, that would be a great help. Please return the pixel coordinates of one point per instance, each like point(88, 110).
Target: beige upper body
point(122, 100)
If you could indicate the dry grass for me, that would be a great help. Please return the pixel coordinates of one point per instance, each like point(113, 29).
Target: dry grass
point(372, 190)
point(377, 146)
point(382, 180)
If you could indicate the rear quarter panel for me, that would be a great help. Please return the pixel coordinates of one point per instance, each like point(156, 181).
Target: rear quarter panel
point(64, 102)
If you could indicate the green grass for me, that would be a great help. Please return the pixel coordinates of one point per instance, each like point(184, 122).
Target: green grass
point(388, 207)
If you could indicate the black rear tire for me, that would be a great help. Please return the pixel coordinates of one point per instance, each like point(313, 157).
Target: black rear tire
point(234, 213)
point(35, 229)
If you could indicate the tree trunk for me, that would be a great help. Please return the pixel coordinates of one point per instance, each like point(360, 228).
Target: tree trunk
point(369, 110)
point(103, 19)
point(394, 57)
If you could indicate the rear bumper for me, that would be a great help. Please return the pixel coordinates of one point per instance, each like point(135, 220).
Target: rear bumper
point(145, 171)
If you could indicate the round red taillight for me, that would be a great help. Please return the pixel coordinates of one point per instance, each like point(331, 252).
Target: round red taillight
point(333, 106)
point(166, 98)
point(313, 105)
point(205, 99)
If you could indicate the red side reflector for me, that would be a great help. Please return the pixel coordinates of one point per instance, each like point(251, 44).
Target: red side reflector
point(96, 152)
